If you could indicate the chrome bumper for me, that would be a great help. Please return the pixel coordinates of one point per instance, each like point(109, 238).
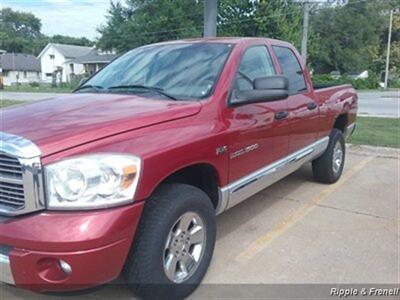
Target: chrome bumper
point(5, 268)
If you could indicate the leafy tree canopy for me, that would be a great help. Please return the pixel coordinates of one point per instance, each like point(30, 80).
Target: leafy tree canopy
point(18, 30)
point(348, 35)
point(63, 39)
point(21, 33)
point(139, 22)
point(131, 23)
point(344, 35)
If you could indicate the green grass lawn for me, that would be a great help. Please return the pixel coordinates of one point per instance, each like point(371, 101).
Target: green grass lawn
point(377, 132)
point(39, 89)
point(369, 131)
point(5, 103)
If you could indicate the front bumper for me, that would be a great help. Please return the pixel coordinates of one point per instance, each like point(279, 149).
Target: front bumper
point(5, 267)
point(94, 245)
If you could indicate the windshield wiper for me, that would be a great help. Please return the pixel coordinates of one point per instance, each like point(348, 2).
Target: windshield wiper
point(97, 88)
point(139, 86)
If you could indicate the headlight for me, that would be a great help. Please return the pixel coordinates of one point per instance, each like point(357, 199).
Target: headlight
point(92, 181)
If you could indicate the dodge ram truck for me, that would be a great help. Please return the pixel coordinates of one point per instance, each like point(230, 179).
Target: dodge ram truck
point(128, 173)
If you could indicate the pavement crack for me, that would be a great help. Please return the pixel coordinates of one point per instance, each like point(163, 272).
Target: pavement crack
point(356, 212)
point(288, 198)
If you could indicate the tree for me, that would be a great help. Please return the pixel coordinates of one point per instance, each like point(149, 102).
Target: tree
point(18, 31)
point(141, 22)
point(379, 55)
point(280, 19)
point(237, 18)
point(395, 49)
point(347, 36)
point(21, 33)
point(113, 33)
point(344, 35)
point(64, 39)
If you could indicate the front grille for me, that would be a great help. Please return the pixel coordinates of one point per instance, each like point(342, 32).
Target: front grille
point(11, 183)
point(21, 177)
point(10, 166)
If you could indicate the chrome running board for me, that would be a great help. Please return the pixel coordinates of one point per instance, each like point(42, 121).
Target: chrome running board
point(247, 186)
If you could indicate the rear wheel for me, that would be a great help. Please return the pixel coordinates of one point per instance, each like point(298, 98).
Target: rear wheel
point(329, 167)
point(174, 243)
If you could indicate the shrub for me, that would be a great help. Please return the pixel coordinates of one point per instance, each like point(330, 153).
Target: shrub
point(394, 83)
point(34, 84)
point(372, 82)
point(74, 81)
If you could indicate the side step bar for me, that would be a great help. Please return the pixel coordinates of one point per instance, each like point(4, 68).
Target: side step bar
point(240, 190)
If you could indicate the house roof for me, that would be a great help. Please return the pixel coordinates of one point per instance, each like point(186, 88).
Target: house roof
point(95, 57)
point(69, 51)
point(19, 62)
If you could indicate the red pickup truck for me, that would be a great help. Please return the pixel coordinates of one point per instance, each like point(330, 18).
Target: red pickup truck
point(128, 173)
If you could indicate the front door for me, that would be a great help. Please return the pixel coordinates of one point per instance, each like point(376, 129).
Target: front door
point(258, 136)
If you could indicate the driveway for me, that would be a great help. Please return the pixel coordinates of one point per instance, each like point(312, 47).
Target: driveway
point(305, 236)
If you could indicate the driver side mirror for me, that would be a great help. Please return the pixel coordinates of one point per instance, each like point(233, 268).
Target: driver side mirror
point(270, 88)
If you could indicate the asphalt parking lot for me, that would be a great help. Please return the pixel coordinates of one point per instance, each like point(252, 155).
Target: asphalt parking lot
point(301, 232)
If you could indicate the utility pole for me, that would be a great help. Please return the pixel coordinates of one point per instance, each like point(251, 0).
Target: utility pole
point(388, 50)
point(210, 18)
point(306, 11)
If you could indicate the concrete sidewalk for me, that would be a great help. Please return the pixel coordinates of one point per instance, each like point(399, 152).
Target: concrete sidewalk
point(301, 232)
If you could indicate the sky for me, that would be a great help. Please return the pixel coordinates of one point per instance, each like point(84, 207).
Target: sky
point(78, 18)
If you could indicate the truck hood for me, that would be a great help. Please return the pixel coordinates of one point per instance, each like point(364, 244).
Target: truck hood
point(68, 121)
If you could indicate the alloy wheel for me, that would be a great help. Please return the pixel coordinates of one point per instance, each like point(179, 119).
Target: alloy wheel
point(184, 247)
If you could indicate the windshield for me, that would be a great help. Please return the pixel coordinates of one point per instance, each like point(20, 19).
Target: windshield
point(180, 71)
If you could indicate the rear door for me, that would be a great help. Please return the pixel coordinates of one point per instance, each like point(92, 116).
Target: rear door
point(257, 138)
point(303, 110)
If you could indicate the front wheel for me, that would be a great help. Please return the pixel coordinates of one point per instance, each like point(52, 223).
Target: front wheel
point(329, 167)
point(174, 243)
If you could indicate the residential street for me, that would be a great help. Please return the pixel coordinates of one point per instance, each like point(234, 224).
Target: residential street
point(374, 103)
point(379, 104)
point(19, 96)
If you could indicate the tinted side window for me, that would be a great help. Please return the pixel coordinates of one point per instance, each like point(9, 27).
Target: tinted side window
point(256, 62)
point(291, 68)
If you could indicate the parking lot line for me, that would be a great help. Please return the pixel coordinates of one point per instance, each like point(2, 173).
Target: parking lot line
point(262, 242)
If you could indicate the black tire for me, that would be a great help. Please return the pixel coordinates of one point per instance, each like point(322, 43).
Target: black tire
point(144, 268)
point(323, 166)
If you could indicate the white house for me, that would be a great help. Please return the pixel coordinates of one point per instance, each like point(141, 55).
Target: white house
point(65, 61)
point(57, 60)
point(19, 68)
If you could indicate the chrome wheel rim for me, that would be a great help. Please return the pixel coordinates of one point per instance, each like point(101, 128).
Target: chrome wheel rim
point(184, 247)
point(337, 158)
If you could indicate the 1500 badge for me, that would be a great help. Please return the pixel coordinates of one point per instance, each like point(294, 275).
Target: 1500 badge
point(244, 150)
